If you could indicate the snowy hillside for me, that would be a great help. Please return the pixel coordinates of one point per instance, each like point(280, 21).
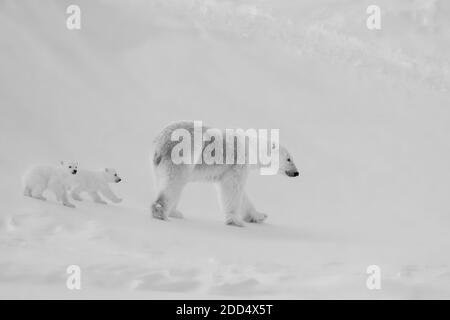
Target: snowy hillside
point(364, 113)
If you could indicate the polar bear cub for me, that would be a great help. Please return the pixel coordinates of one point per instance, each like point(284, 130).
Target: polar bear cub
point(56, 179)
point(95, 182)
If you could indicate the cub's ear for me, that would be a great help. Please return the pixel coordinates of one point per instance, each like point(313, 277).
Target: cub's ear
point(61, 162)
point(274, 145)
point(106, 170)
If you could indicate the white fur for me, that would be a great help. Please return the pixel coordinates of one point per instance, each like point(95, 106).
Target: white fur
point(95, 182)
point(230, 179)
point(56, 179)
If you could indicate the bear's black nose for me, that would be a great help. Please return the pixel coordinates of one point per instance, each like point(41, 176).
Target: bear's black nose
point(74, 171)
point(292, 174)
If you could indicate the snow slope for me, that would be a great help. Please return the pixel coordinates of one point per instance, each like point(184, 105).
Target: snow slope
point(365, 115)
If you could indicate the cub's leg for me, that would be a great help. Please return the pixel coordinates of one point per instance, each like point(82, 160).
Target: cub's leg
point(107, 192)
point(61, 195)
point(231, 193)
point(37, 192)
point(27, 191)
point(249, 212)
point(75, 194)
point(96, 197)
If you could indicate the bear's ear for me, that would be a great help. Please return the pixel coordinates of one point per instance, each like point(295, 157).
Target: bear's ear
point(273, 145)
point(106, 170)
point(61, 162)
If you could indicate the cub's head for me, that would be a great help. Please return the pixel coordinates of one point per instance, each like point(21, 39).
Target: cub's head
point(111, 175)
point(287, 165)
point(70, 167)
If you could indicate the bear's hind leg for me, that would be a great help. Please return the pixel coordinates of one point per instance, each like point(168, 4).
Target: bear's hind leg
point(170, 181)
point(167, 201)
point(160, 207)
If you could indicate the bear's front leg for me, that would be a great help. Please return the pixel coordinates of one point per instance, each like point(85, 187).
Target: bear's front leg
point(249, 212)
point(231, 193)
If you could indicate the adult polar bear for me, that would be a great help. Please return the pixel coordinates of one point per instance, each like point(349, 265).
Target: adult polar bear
point(171, 177)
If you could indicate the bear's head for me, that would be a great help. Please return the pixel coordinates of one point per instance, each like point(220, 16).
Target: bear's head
point(112, 176)
point(287, 165)
point(70, 167)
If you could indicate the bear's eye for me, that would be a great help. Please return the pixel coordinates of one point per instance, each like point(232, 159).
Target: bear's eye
point(70, 167)
point(115, 175)
point(289, 160)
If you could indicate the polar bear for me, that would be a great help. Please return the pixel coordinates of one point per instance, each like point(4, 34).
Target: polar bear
point(171, 178)
point(56, 179)
point(95, 182)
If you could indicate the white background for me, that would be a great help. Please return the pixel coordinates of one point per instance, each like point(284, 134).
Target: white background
point(364, 114)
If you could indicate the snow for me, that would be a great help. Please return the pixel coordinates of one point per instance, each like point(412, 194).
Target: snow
point(364, 113)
